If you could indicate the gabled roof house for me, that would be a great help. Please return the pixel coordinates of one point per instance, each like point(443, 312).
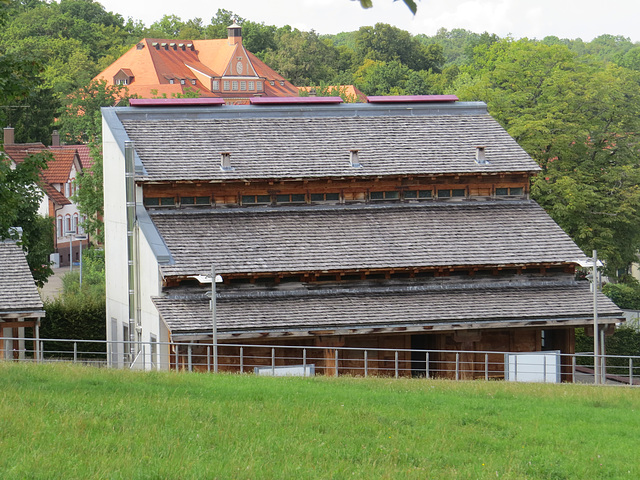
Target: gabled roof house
point(57, 181)
point(404, 222)
point(157, 68)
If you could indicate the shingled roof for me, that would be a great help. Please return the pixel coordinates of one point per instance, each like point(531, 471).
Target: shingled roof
point(298, 239)
point(416, 307)
point(19, 296)
point(286, 143)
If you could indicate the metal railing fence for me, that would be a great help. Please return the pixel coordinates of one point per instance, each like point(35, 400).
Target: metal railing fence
point(546, 366)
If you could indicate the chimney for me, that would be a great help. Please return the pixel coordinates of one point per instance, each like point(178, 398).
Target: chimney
point(55, 139)
point(481, 158)
point(354, 158)
point(234, 34)
point(225, 162)
point(9, 136)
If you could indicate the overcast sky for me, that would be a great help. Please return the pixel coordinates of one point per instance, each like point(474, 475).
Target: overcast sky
point(584, 19)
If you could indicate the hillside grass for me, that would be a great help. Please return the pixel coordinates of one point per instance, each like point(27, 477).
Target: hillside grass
point(63, 421)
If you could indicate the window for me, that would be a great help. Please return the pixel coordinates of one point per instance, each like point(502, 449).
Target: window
point(161, 201)
point(193, 82)
point(60, 231)
point(391, 195)
point(509, 191)
point(215, 85)
point(195, 201)
point(67, 190)
point(243, 85)
point(259, 86)
point(182, 81)
point(256, 199)
point(252, 85)
point(454, 192)
point(234, 85)
point(417, 194)
point(291, 198)
point(325, 197)
point(225, 85)
point(171, 81)
point(75, 222)
point(67, 223)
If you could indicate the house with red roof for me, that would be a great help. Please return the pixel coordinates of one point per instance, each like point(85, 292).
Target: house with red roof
point(57, 181)
point(223, 68)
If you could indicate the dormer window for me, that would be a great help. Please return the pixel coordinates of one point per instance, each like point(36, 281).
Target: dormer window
point(123, 77)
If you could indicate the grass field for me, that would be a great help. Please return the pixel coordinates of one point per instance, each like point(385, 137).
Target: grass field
point(60, 421)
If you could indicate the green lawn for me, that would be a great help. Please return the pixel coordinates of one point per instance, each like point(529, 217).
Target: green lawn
point(60, 421)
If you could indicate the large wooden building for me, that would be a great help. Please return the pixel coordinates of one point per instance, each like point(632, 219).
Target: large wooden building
point(404, 222)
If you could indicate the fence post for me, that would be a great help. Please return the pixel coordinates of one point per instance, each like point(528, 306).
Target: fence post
point(426, 363)
point(457, 366)
point(208, 359)
point(544, 368)
point(304, 362)
point(396, 364)
point(366, 363)
point(144, 357)
point(630, 371)
point(189, 359)
point(573, 368)
point(273, 362)
point(241, 359)
point(486, 367)
point(336, 362)
point(75, 352)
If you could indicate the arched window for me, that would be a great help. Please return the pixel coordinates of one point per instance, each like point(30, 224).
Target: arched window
point(75, 222)
point(59, 230)
point(67, 223)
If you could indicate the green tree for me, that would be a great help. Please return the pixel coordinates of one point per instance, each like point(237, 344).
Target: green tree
point(387, 43)
point(580, 121)
point(20, 198)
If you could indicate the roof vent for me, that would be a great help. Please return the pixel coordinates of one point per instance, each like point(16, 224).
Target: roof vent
point(140, 46)
point(172, 45)
point(282, 83)
point(164, 45)
point(181, 45)
point(481, 158)
point(353, 158)
point(225, 162)
point(190, 46)
point(156, 45)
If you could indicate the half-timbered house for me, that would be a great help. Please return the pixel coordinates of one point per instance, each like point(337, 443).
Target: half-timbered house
point(404, 222)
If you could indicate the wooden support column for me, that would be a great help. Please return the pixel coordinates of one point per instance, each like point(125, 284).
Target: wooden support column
point(329, 354)
point(467, 341)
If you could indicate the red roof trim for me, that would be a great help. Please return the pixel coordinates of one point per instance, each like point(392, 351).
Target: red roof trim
point(180, 102)
point(293, 100)
point(412, 98)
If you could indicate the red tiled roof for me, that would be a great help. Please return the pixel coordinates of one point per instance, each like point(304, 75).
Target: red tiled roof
point(19, 151)
point(59, 168)
point(55, 195)
point(155, 63)
point(84, 152)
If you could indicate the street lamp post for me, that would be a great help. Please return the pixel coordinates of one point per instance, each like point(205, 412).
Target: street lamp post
point(596, 329)
point(81, 238)
point(214, 279)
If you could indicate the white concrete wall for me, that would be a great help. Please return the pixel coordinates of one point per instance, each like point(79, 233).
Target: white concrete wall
point(116, 267)
point(115, 232)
